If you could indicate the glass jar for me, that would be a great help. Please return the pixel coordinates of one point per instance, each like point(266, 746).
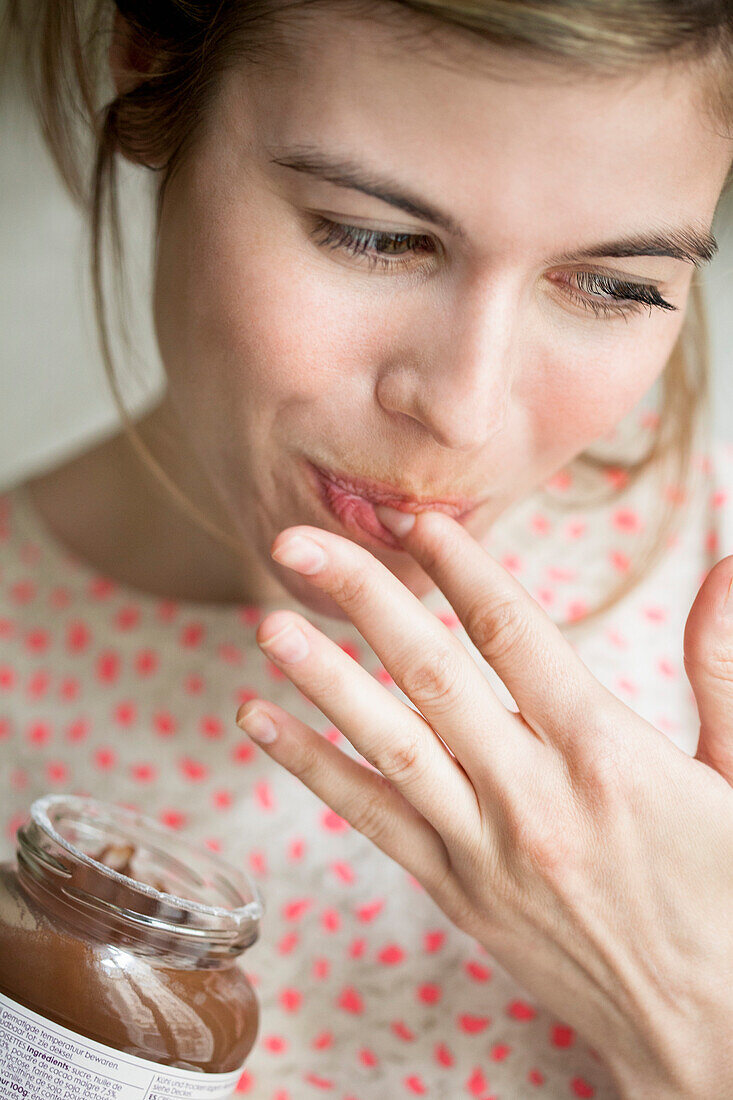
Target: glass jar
point(119, 943)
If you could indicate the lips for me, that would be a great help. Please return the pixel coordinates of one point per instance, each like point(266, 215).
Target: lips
point(377, 492)
point(346, 498)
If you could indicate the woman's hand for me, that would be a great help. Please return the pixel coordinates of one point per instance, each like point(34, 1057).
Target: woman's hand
point(587, 853)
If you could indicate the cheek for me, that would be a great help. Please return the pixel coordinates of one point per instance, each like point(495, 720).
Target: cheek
point(249, 331)
point(581, 396)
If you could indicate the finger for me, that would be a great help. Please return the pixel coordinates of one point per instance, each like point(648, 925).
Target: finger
point(549, 682)
point(360, 796)
point(426, 661)
point(390, 735)
point(708, 661)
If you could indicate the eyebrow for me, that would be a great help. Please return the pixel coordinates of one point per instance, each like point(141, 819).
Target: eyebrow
point(688, 243)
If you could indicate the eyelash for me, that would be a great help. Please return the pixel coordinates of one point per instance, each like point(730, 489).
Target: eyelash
point(630, 297)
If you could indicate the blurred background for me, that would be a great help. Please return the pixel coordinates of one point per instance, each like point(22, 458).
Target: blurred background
point(55, 396)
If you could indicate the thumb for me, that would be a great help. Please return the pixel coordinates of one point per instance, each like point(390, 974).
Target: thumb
point(708, 660)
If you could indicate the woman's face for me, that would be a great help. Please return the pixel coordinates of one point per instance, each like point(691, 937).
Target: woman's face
point(479, 351)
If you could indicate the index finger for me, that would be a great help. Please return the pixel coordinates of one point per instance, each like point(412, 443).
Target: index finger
point(426, 661)
point(549, 682)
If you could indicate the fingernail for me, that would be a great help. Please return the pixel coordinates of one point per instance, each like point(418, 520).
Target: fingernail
point(301, 554)
point(399, 523)
point(289, 644)
point(258, 725)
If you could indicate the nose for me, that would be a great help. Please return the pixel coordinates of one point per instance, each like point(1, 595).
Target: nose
point(456, 378)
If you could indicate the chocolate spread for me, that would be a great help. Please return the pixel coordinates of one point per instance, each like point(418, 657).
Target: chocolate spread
point(101, 948)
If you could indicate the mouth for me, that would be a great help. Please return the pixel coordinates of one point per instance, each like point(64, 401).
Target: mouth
point(352, 500)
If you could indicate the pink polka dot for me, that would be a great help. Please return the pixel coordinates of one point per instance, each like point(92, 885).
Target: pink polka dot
point(350, 1000)
point(173, 819)
point(39, 733)
point(23, 592)
point(429, 993)
point(192, 635)
point(125, 713)
point(127, 617)
point(193, 770)
point(562, 1036)
point(321, 968)
point(331, 920)
point(258, 862)
point(317, 1081)
point(211, 727)
point(402, 1031)
point(38, 684)
point(230, 654)
point(520, 1010)
point(108, 667)
point(275, 1044)
point(69, 689)
point(287, 943)
point(57, 771)
point(331, 821)
point(433, 941)
point(264, 795)
point(626, 519)
point(477, 1083)
point(143, 773)
point(164, 723)
point(471, 1024)
point(581, 1087)
point(290, 999)
point(390, 955)
point(7, 678)
point(104, 759)
point(77, 637)
point(443, 1055)
point(344, 872)
point(37, 641)
point(295, 909)
point(478, 971)
point(101, 588)
point(146, 662)
point(366, 913)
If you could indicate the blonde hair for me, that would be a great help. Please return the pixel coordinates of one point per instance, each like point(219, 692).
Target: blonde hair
point(182, 46)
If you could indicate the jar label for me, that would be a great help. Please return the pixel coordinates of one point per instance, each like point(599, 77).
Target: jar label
point(40, 1060)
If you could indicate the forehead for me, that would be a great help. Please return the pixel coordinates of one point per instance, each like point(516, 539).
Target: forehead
point(489, 134)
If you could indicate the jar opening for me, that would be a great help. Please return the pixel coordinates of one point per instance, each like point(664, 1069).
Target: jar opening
point(115, 862)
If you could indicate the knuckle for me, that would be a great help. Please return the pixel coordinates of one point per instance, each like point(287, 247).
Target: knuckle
point(540, 841)
point(714, 663)
point(602, 763)
point(497, 628)
point(307, 760)
point(401, 763)
point(368, 816)
point(351, 589)
point(436, 681)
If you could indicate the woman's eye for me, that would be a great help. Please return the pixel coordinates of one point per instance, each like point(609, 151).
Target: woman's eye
point(608, 297)
point(385, 250)
point(602, 295)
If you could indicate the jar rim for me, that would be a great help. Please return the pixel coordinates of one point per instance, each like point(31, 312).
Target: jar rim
point(49, 853)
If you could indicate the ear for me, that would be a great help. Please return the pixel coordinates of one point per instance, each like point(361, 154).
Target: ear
point(129, 60)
